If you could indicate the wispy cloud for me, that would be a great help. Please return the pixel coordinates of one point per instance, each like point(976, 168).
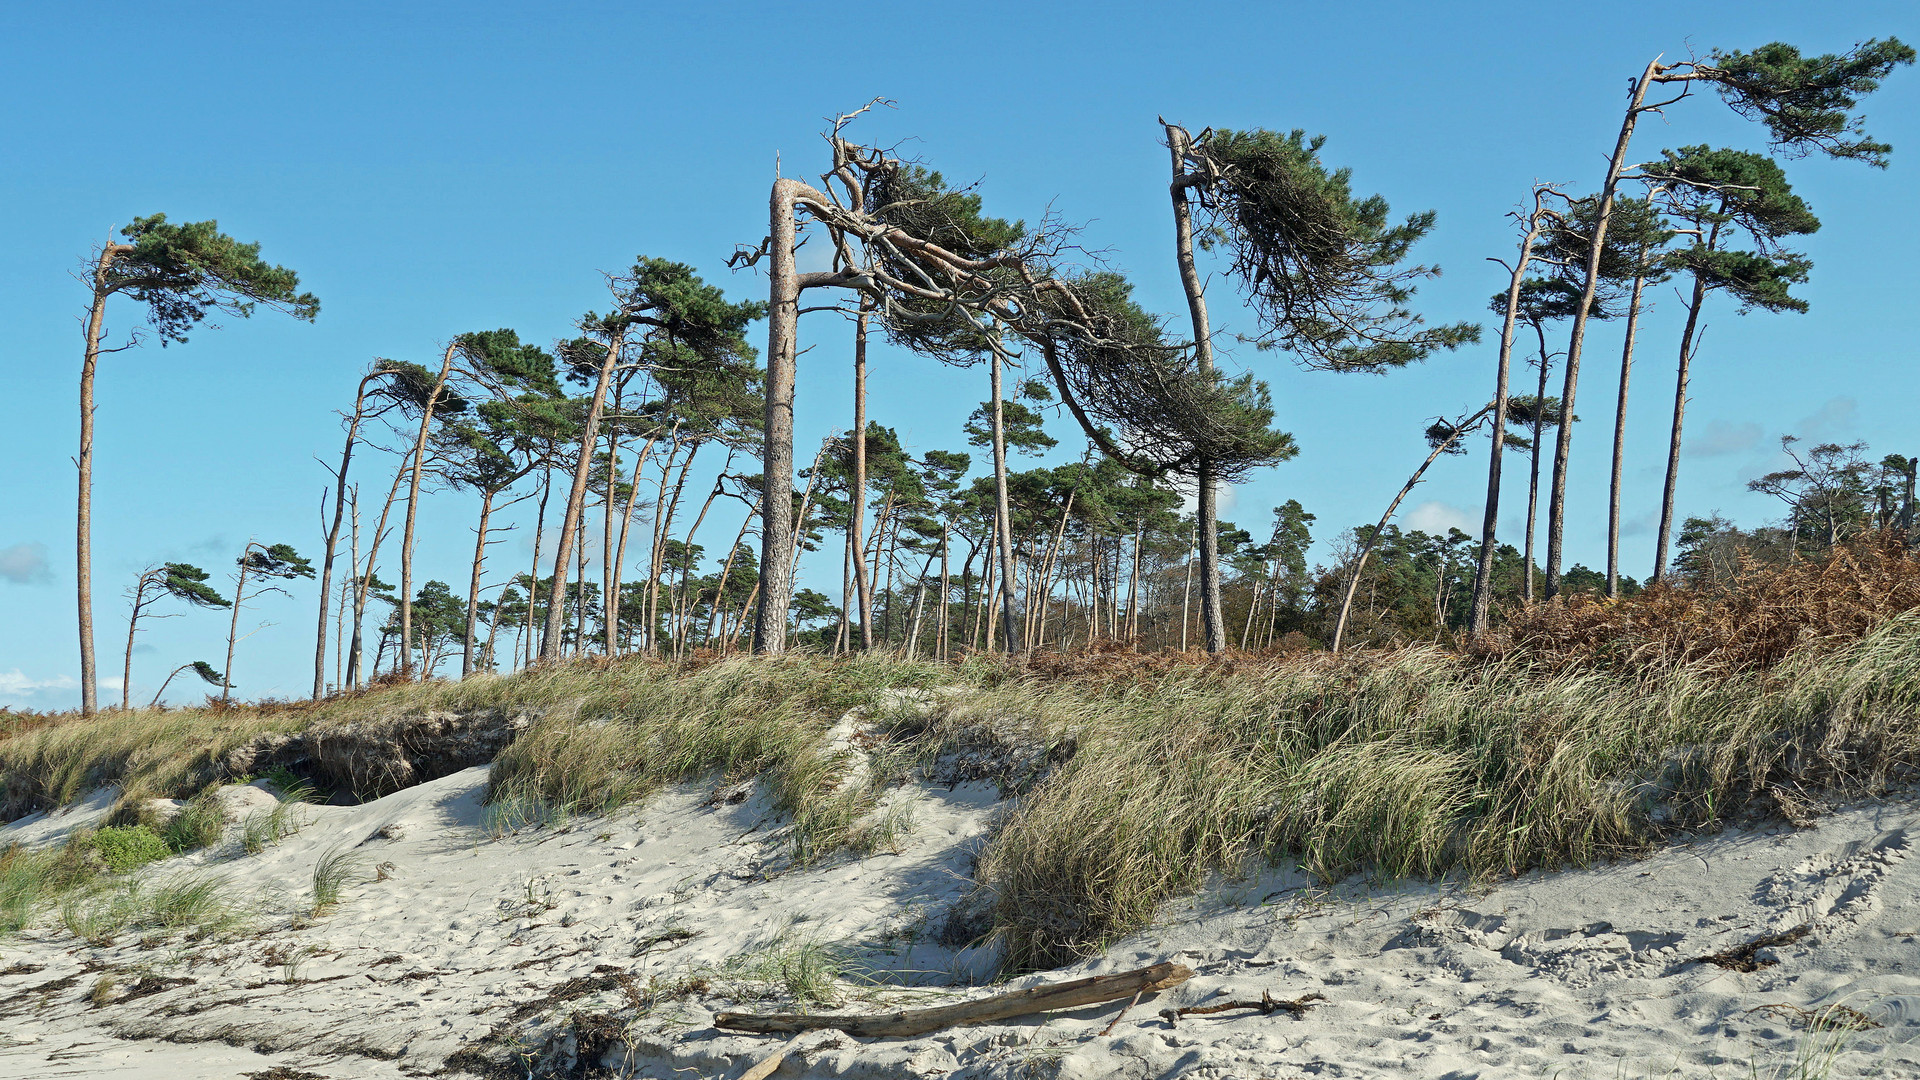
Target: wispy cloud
point(1721, 439)
point(1831, 421)
point(17, 685)
point(1435, 518)
point(25, 564)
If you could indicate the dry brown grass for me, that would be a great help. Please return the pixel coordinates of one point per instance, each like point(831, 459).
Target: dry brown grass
point(1750, 622)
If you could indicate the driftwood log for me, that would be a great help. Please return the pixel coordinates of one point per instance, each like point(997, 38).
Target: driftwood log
point(1034, 999)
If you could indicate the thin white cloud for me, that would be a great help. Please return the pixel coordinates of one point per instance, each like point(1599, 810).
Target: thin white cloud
point(25, 564)
point(1434, 518)
point(1831, 421)
point(1721, 439)
point(17, 684)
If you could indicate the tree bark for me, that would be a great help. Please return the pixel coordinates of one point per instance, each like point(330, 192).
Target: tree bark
point(1005, 520)
point(413, 507)
point(83, 461)
point(554, 631)
point(857, 511)
point(1206, 509)
point(473, 587)
point(1563, 448)
point(233, 631)
point(1620, 437)
point(139, 601)
point(363, 591)
point(776, 507)
point(1685, 372)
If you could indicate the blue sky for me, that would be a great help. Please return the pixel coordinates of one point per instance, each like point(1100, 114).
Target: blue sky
point(430, 169)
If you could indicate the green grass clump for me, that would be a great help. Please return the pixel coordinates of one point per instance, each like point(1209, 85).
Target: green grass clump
point(199, 824)
point(792, 968)
point(31, 879)
point(128, 847)
point(197, 905)
point(331, 876)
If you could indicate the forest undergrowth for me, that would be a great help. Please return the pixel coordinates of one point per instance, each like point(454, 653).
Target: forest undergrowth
point(1585, 732)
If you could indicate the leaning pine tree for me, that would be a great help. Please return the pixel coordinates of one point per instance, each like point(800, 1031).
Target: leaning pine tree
point(180, 272)
point(1325, 273)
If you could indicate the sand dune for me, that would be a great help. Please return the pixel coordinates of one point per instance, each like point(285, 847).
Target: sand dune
point(462, 941)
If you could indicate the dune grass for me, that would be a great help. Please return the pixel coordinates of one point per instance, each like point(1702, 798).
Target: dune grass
point(1411, 762)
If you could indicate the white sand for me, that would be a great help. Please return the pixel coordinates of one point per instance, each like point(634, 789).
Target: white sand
point(1581, 974)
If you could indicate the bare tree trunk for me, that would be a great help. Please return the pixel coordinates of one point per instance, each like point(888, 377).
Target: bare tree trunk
point(1133, 589)
point(233, 631)
point(857, 511)
point(1360, 563)
point(1005, 519)
point(613, 597)
point(147, 577)
point(1563, 449)
point(1186, 599)
point(1679, 416)
point(362, 591)
point(473, 588)
point(413, 508)
point(726, 570)
point(576, 502)
point(1206, 507)
point(533, 576)
point(580, 587)
point(333, 534)
point(1490, 521)
point(1620, 436)
point(1046, 568)
point(776, 508)
point(946, 613)
point(346, 590)
point(83, 461)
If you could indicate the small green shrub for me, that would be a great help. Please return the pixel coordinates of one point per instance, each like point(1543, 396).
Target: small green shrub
point(128, 847)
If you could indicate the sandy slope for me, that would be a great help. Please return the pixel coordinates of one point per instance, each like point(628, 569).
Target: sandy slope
point(470, 935)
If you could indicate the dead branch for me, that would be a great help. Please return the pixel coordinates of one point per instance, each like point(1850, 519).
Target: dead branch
point(1268, 1005)
point(1035, 999)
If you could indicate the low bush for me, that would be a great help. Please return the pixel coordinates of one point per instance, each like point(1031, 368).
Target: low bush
point(128, 847)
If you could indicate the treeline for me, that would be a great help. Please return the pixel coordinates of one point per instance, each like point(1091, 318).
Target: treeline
point(591, 443)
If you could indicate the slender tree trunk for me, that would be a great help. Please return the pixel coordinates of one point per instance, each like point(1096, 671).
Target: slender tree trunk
point(1557, 495)
point(413, 508)
point(1047, 565)
point(233, 631)
point(364, 590)
point(333, 534)
point(473, 587)
point(1620, 436)
point(580, 586)
point(1668, 491)
point(1490, 520)
point(1533, 481)
point(133, 621)
point(1186, 599)
point(614, 599)
point(946, 613)
point(726, 570)
point(550, 641)
point(857, 510)
point(1133, 590)
point(1206, 509)
point(1360, 563)
point(83, 461)
point(533, 576)
point(1005, 518)
point(346, 591)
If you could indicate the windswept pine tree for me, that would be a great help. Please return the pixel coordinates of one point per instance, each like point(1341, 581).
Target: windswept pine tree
point(180, 273)
point(1324, 270)
point(177, 581)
